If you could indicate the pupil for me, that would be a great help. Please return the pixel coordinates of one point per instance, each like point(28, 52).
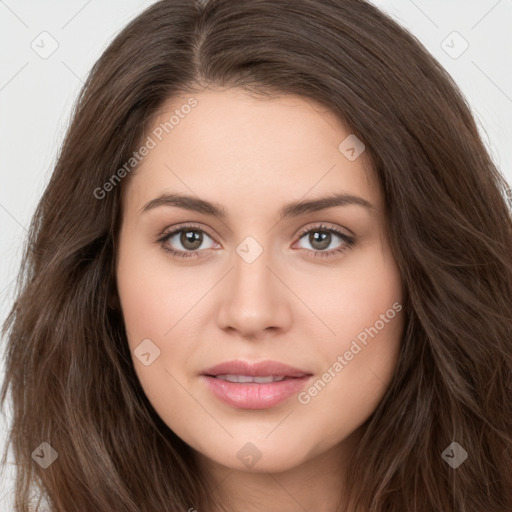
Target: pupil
point(322, 241)
point(194, 238)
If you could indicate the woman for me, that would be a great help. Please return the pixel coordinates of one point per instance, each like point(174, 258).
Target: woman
point(369, 370)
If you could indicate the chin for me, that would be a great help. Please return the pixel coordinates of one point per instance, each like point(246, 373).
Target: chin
point(255, 458)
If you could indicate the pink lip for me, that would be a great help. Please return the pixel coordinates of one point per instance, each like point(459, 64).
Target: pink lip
point(261, 369)
point(254, 395)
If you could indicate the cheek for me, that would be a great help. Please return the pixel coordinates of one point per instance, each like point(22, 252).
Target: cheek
point(144, 307)
point(356, 375)
point(352, 298)
point(158, 304)
point(154, 303)
point(153, 295)
point(363, 306)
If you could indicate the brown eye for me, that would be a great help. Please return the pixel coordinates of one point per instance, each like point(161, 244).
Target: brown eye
point(191, 239)
point(319, 240)
point(323, 237)
point(185, 242)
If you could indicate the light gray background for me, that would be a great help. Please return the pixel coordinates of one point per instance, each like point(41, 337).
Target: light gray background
point(36, 95)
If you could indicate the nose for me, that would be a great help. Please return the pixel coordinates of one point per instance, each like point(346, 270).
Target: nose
point(255, 301)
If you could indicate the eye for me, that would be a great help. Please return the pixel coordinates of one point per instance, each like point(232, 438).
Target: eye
point(321, 237)
point(191, 239)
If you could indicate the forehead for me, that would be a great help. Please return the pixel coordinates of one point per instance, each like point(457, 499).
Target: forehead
point(226, 143)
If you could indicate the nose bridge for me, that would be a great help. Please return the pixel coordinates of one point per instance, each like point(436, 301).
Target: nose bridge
point(253, 301)
point(251, 275)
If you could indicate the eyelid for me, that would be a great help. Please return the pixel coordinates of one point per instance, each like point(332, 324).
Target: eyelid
point(327, 226)
point(184, 226)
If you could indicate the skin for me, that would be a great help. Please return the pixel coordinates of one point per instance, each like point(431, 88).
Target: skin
point(252, 156)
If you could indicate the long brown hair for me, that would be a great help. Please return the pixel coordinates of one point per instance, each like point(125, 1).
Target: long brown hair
point(68, 367)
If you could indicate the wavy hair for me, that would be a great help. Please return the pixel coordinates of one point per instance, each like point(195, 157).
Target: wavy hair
point(69, 373)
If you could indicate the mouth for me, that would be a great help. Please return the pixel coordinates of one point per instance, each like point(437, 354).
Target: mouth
point(247, 378)
point(261, 385)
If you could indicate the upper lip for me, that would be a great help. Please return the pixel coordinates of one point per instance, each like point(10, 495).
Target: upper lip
point(255, 369)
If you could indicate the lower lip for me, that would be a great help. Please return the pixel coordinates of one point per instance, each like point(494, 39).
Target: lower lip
point(253, 395)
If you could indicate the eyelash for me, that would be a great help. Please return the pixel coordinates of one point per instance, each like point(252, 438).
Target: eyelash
point(347, 245)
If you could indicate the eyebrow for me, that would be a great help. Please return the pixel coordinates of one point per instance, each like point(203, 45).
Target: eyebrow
point(294, 209)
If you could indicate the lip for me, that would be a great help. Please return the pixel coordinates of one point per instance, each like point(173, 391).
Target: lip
point(254, 395)
point(258, 369)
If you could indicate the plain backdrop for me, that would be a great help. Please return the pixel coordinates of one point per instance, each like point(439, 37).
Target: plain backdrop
point(48, 48)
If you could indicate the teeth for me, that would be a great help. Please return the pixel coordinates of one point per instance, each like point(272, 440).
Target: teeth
point(246, 378)
point(242, 378)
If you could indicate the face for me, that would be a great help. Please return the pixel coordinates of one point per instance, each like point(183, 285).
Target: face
point(296, 299)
